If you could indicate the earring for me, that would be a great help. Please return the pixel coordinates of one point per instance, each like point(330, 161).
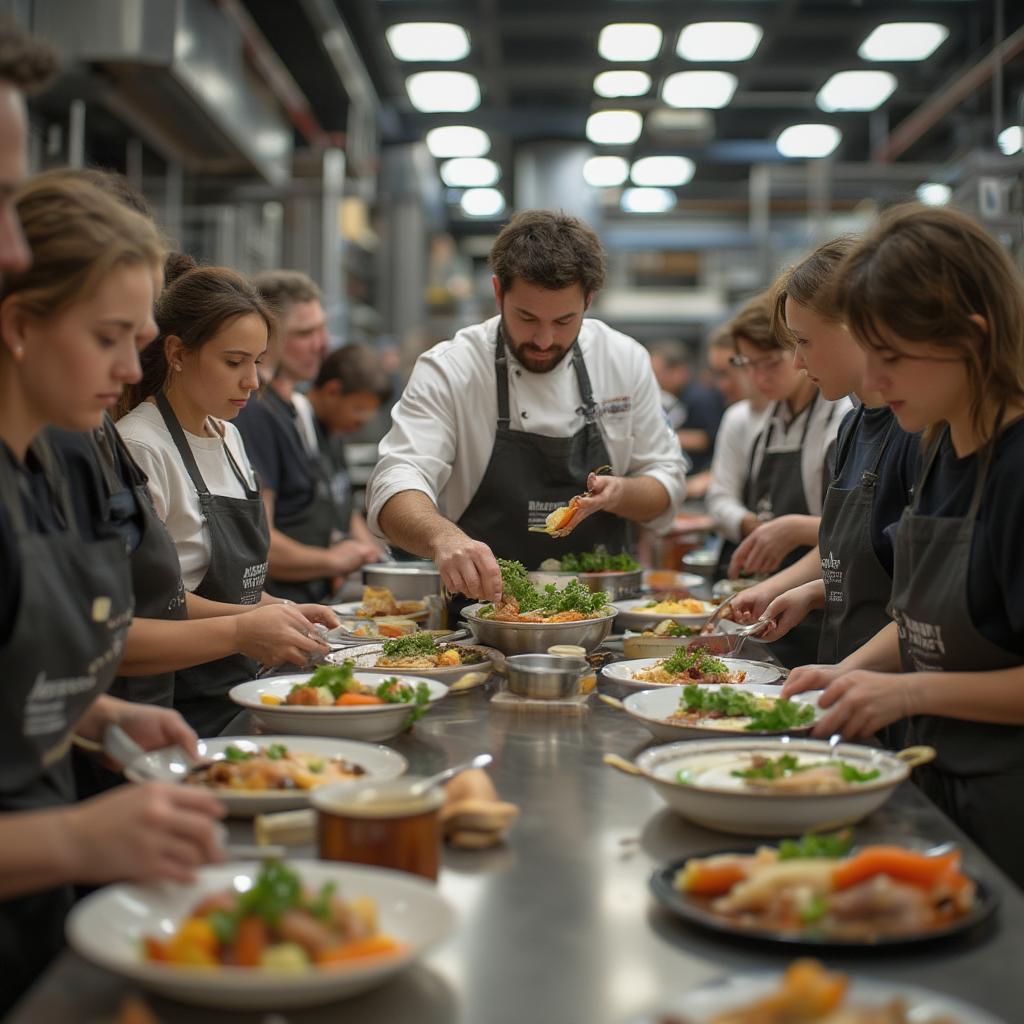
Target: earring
point(177, 367)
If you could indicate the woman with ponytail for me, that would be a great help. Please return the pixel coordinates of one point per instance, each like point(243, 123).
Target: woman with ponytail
point(938, 306)
point(196, 377)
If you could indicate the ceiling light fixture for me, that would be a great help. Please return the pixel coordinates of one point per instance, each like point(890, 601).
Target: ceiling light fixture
point(457, 140)
point(719, 40)
point(482, 202)
point(708, 89)
point(629, 41)
point(435, 92)
point(903, 40)
point(648, 200)
point(934, 193)
point(469, 172)
point(605, 171)
point(856, 90)
point(613, 84)
point(1011, 140)
point(614, 127)
point(672, 171)
point(808, 141)
point(428, 40)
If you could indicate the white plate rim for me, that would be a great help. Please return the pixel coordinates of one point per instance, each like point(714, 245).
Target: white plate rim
point(235, 693)
point(609, 672)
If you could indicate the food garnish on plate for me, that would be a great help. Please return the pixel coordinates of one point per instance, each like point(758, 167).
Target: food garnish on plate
point(336, 686)
point(689, 667)
point(787, 773)
point(597, 560)
point(815, 885)
point(378, 601)
point(273, 767)
point(276, 925)
point(422, 651)
point(676, 606)
point(671, 628)
point(735, 709)
point(522, 602)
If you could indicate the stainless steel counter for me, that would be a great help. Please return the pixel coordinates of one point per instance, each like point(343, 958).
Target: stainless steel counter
point(558, 927)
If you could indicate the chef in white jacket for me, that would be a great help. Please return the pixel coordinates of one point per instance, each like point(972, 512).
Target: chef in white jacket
point(508, 420)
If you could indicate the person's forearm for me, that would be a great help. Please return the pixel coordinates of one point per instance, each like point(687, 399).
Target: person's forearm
point(203, 608)
point(358, 530)
point(293, 562)
point(806, 531)
point(35, 852)
point(643, 498)
point(996, 697)
point(880, 654)
point(693, 440)
point(411, 521)
point(166, 645)
point(804, 570)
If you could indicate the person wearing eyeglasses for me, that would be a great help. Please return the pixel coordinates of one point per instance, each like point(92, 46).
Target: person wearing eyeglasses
point(770, 471)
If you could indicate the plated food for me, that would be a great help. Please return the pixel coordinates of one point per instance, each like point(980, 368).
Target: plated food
point(682, 667)
point(816, 889)
point(775, 786)
point(808, 994)
point(521, 601)
point(677, 606)
point(641, 613)
point(336, 700)
point(428, 657)
point(246, 936)
point(379, 602)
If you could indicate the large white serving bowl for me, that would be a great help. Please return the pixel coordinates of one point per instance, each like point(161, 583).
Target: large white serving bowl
point(694, 778)
point(108, 928)
point(653, 707)
point(379, 763)
point(376, 722)
point(624, 672)
point(631, 614)
point(716, 998)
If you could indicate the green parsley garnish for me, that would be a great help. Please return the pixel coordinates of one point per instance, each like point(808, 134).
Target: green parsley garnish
point(574, 597)
point(237, 754)
point(788, 764)
point(598, 560)
point(277, 751)
point(410, 646)
point(833, 845)
point(393, 692)
point(686, 661)
point(732, 702)
point(814, 911)
point(336, 678)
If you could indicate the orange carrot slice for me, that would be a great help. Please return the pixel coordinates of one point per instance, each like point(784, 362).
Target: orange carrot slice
point(357, 699)
point(894, 861)
point(378, 945)
point(704, 879)
point(250, 941)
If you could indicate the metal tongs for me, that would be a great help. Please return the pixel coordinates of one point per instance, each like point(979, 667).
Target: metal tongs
point(725, 643)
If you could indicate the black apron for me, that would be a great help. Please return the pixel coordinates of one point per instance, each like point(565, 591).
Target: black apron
point(857, 585)
point(319, 522)
point(74, 609)
point(239, 541)
point(777, 489)
point(530, 475)
point(978, 775)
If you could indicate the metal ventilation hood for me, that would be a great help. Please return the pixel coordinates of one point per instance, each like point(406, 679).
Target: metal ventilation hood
point(180, 70)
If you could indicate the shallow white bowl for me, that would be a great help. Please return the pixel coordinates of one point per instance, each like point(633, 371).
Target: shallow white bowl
point(631, 614)
point(379, 762)
point(377, 722)
point(652, 708)
point(623, 673)
point(717, 800)
point(108, 927)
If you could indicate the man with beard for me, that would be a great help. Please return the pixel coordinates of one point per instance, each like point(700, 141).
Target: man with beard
point(507, 421)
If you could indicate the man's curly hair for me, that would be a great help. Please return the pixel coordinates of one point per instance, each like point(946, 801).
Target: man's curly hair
point(26, 63)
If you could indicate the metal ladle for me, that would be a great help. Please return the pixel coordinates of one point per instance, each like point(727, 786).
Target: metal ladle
point(480, 761)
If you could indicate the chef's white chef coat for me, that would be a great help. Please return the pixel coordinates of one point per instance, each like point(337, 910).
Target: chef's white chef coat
point(444, 424)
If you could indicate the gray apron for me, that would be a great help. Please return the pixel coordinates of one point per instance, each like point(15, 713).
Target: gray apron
point(239, 541)
point(978, 775)
point(529, 475)
point(74, 609)
point(318, 523)
point(857, 585)
point(777, 489)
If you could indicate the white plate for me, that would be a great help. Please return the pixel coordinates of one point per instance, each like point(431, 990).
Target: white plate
point(366, 658)
point(652, 708)
point(704, 1003)
point(376, 722)
point(623, 673)
point(380, 763)
point(714, 798)
point(631, 614)
point(350, 609)
point(108, 927)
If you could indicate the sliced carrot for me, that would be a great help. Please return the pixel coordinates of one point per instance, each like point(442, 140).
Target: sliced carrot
point(156, 950)
point(357, 699)
point(251, 940)
point(894, 861)
point(707, 879)
point(385, 630)
point(378, 945)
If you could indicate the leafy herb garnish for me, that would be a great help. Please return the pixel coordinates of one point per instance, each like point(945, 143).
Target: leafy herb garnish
point(685, 661)
point(788, 764)
point(598, 560)
point(410, 646)
point(277, 751)
point(574, 597)
point(335, 678)
point(237, 754)
point(731, 702)
point(833, 845)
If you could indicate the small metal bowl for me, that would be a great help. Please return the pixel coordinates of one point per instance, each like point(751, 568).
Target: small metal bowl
point(545, 676)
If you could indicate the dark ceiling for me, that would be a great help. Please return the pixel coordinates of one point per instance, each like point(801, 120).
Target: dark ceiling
point(536, 61)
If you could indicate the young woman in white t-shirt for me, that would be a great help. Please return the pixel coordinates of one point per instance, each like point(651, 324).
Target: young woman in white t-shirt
point(198, 375)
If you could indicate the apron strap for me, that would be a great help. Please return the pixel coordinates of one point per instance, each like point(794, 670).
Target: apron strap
point(588, 409)
point(984, 465)
point(501, 379)
point(57, 481)
point(103, 444)
point(239, 475)
point(11, 491)
point(890, 430)
point(844, 446)
point(181, 443)
point(14, 490)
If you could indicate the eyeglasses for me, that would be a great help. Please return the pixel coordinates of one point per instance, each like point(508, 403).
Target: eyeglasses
point(766, 365)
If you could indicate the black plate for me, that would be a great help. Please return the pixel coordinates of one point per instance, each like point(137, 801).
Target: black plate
point(985, 903)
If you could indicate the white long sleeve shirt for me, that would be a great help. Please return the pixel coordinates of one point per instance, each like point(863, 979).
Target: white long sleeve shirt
point(735, 456)
point(444, 425)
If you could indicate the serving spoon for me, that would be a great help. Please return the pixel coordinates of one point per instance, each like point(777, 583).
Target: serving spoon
point(480, 761)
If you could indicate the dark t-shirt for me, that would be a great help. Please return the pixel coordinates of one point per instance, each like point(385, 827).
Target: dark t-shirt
point(703, 407)
point(277, 453)
point(897, 470)
point(995, 582)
